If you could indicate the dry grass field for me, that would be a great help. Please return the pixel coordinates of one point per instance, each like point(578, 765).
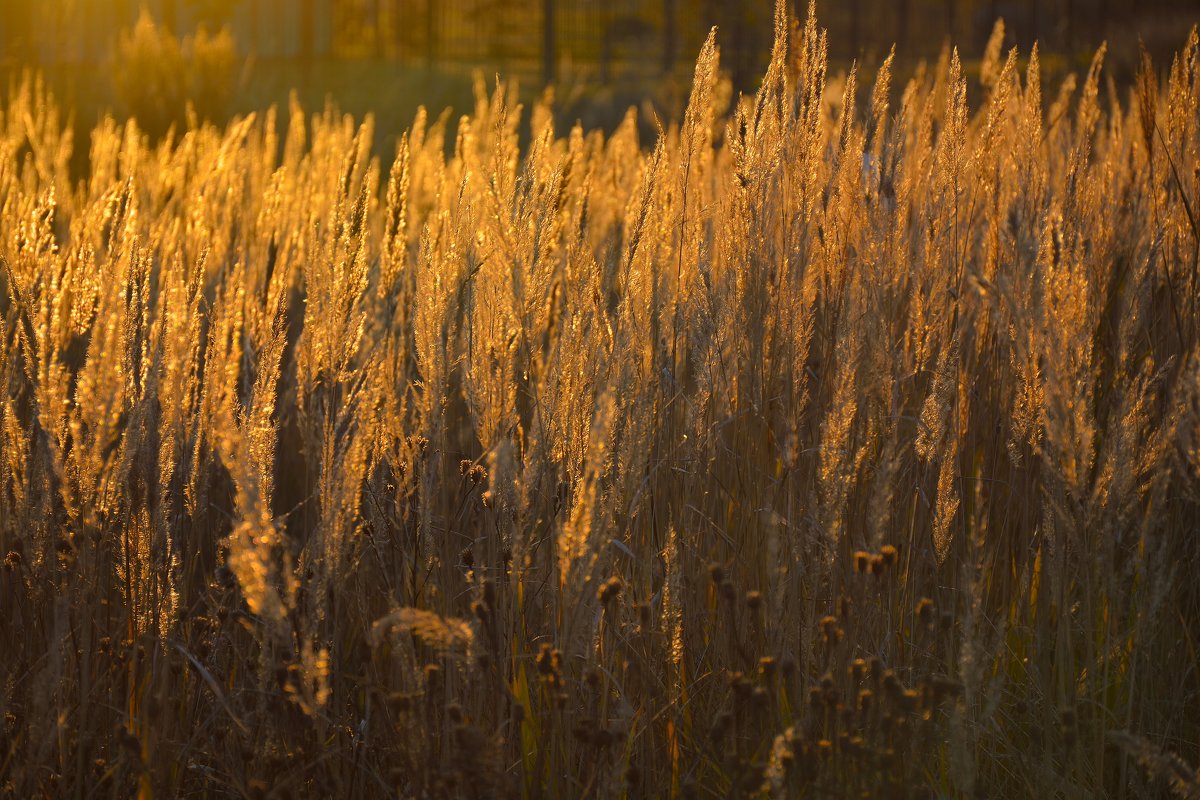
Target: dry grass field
point(816, 448)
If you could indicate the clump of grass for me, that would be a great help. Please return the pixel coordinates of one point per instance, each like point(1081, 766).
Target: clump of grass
point(157, 76)
point(815, 448)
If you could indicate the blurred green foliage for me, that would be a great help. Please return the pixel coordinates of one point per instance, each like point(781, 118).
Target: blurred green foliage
point(157, 76)
point(213, 12)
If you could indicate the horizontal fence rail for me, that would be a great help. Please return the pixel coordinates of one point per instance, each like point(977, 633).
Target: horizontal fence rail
point(534, 37)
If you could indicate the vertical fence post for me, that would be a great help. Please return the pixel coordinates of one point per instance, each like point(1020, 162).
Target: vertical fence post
point(430, 26)
point(669, 34)
point(548, 44)
point(307, 39)
point(377, 28)
point(856, 27)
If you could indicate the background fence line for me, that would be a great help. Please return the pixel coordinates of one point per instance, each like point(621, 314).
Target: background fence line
point(608, 35)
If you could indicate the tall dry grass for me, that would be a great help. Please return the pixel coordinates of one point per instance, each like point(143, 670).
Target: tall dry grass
point(814, 449)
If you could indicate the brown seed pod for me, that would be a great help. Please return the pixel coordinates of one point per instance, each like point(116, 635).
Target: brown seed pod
point(740, 685)
point(830, 631)
point(610, 590)
point(480, 610)
point(477, 475)
point(433, 677)
point(925, 611)
point(727, 591)
point(398, 702)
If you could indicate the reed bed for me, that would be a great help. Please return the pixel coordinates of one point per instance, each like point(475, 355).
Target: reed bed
point(816, 448)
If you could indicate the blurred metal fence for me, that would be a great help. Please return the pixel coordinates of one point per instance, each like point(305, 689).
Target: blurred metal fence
point(533, 37)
